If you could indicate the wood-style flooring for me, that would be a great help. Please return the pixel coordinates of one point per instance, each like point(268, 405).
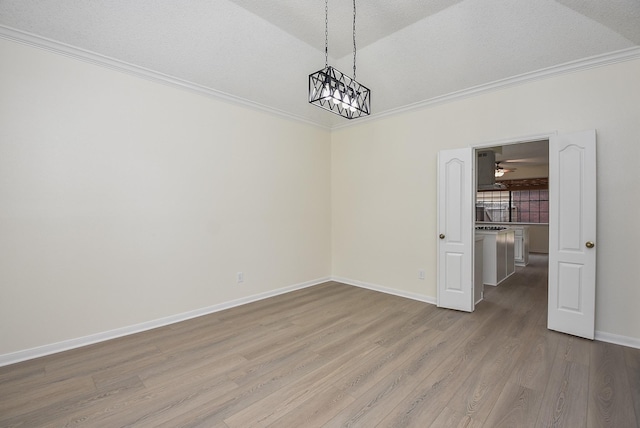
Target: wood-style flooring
point(335, 355)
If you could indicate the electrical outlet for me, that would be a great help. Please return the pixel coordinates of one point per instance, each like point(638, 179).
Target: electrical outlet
point(240, 277)
point(420, 273)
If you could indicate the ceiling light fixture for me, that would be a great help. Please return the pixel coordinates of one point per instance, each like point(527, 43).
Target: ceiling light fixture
point(499, 170)
point(331, 89)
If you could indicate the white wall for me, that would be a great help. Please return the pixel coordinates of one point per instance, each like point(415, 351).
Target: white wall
point(123, 201)
point(384, 181)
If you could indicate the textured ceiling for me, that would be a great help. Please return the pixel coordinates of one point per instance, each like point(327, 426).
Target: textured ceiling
point(409, 51)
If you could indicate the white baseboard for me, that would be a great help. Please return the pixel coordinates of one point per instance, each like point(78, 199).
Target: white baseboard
point(66, 345)
point(616, 339)
point(386, 290)
point(599, 335)
point(41, 351)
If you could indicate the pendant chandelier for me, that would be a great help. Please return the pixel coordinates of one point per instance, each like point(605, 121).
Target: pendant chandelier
point(333, 90)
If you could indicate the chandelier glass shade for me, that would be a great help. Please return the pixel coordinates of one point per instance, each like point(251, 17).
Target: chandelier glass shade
point(333, 90)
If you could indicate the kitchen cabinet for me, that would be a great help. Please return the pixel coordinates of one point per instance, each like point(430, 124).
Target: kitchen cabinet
point(498, 255)
point(509, 244)
point(521, 245)
point(478, 283)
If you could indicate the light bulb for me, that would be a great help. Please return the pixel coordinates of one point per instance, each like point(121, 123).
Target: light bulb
point(345, 102)
point(326, 93)
point(336, 97)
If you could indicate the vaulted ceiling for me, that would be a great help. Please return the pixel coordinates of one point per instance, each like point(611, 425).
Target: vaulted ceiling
point(262, 51)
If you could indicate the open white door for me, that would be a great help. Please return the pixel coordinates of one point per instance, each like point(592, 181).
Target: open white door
point(455, 229)
point(572, 233)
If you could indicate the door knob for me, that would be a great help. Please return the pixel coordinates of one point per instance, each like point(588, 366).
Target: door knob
point(442, 236)
point(590, 244)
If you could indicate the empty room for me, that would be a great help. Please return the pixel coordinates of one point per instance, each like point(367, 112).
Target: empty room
point(239, 213)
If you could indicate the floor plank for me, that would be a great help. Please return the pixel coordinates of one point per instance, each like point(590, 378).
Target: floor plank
point(336, 355)
point(610, 402)
point(517, 406)
point(565, 399)
point(632, 361)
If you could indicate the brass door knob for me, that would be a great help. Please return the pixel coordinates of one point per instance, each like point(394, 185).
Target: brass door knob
point(442, 236)
point(590, 244)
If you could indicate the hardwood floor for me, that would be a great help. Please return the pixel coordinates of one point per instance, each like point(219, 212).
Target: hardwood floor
point(335, 355)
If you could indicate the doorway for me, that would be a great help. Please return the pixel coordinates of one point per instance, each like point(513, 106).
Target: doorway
point(572, 230)
point(512, 191)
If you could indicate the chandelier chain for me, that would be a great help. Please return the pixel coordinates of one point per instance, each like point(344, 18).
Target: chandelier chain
point(335, 91)
point(326, 33)
point(354, 39)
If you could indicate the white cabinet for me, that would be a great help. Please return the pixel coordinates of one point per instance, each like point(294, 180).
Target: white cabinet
point(478, 283)
point(521, 246)
point(498, 255)
point(510, 252)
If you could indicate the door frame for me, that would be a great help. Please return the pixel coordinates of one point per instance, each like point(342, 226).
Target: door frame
point(507, 142)
point(470, 151)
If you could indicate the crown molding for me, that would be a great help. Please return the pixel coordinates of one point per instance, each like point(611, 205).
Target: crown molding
point(615, 57)
point(90, 57)
point(60, 48)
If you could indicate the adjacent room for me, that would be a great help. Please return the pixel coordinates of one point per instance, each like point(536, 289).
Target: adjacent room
point(187, 239)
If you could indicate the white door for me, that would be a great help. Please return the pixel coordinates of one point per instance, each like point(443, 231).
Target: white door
point(572, 233)
point(455, 229)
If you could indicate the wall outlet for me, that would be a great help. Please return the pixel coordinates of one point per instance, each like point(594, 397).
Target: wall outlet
point(240, 277)
point(420, 273)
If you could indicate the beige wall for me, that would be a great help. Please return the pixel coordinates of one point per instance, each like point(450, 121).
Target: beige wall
point(538, 238)
point(384, 181)
point(124, 201)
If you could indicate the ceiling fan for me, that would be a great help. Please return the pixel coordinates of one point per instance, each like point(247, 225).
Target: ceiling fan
point(500, 171)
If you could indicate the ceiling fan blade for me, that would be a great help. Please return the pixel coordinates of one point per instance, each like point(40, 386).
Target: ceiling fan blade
point(525, 161)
